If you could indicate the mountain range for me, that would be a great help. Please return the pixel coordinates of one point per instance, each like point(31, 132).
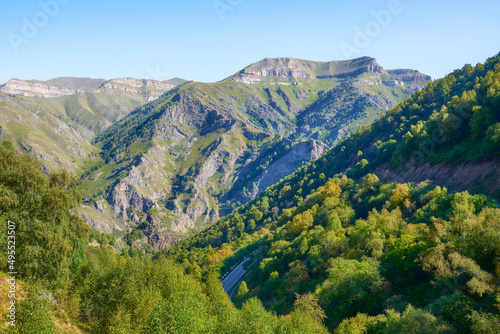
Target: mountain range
point(171, 157)
point(394, 228)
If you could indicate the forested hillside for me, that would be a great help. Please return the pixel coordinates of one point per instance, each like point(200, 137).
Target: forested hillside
point(380, 256)
point(68, 286)
point(392, 253)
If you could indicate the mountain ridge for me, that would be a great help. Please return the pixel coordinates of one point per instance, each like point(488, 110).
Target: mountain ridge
point(65, 86)
point(166, 158)
point(292, 68)
point(207, 135)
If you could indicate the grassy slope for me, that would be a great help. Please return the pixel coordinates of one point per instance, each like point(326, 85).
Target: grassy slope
point(55, 142)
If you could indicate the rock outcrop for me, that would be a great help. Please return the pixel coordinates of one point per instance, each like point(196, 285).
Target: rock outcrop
point(408, 76)
point(60, 87)
point(286, 165)
point(150, 89)
point(35, 88)
point(474, 177)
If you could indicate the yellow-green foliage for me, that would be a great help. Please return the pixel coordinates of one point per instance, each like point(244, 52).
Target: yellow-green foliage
point(68, 283)
point(49, 235)
point(374, 251)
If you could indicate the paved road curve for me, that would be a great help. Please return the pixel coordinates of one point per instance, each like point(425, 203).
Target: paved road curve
point(236, 274)
point(234, 277)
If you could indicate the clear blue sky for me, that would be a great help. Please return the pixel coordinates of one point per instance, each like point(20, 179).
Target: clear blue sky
point(188, 39)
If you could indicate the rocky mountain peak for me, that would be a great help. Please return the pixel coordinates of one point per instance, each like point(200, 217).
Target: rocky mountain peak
point(293, 69)
point(80, 84)
point(409, 76)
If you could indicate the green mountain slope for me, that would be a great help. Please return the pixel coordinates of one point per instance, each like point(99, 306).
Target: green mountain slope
point(380, 256)
point(201, 149)
point(56, 120)
point(65, 285)
point(55, 140)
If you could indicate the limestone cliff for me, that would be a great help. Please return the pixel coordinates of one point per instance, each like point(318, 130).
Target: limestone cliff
point(60, 87)
point(149, 89)
point(35, 88)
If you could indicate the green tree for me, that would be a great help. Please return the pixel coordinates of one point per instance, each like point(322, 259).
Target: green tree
point(300, 222)
point(401, 196)
point(33, 315)
point(308, 304)
point(297, 274)
point(242, 290)
point(415, 321)
point(49, 233)
point(482, 119)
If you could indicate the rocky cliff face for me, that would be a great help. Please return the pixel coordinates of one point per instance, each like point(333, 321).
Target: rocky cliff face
point(292, 69)
point(149, 89)
point(409, 77)
point(60, 87)
point(483, 177)
point(282, 167)
point(163, 175)
point(35, 88)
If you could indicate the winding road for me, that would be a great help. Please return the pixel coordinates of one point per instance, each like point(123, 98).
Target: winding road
point(234, 277)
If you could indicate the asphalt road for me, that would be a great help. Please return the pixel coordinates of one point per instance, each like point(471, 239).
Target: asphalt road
point(234, 277)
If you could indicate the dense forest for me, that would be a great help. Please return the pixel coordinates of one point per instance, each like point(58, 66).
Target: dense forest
point(341, 251)
point(383, 257)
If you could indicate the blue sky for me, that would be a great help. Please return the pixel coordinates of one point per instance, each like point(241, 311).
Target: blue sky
point(193, 40)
